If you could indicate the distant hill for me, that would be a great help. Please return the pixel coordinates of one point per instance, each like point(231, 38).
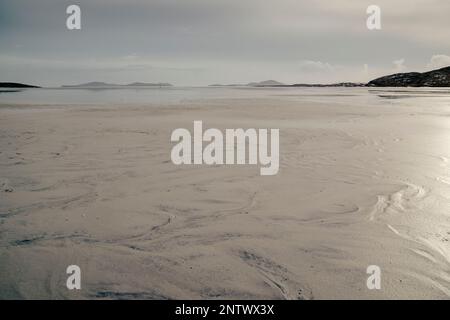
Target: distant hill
point(227, 85)
point(266, 83)
point(145, 84)
point(90, 84)
point(16, 85)
point(435, 78)
point(97, 84)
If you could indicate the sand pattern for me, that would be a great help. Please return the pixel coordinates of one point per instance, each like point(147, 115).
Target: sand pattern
point(94, 186)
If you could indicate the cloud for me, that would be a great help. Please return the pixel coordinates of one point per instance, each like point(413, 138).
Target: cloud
point(229, 40)
point(366, 69)
point(316, 66)
point(439, 61)
point(399, 65)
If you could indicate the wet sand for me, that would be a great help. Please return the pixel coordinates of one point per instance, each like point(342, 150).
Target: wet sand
point(94, 186)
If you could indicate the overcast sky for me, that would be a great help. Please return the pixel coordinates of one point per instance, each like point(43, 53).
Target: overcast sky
point(199, 42)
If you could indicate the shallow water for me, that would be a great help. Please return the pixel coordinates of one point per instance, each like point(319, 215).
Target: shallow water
point(130, 96)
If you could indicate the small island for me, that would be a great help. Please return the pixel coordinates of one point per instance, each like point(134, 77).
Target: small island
point(434, 78)
point(16, 85)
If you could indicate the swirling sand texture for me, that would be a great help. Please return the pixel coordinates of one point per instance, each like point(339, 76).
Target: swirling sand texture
point(365, 183)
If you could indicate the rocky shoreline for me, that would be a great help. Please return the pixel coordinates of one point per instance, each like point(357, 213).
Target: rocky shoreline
point(435, 78)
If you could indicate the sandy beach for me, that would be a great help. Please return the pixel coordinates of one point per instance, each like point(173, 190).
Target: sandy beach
point(93, 185)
